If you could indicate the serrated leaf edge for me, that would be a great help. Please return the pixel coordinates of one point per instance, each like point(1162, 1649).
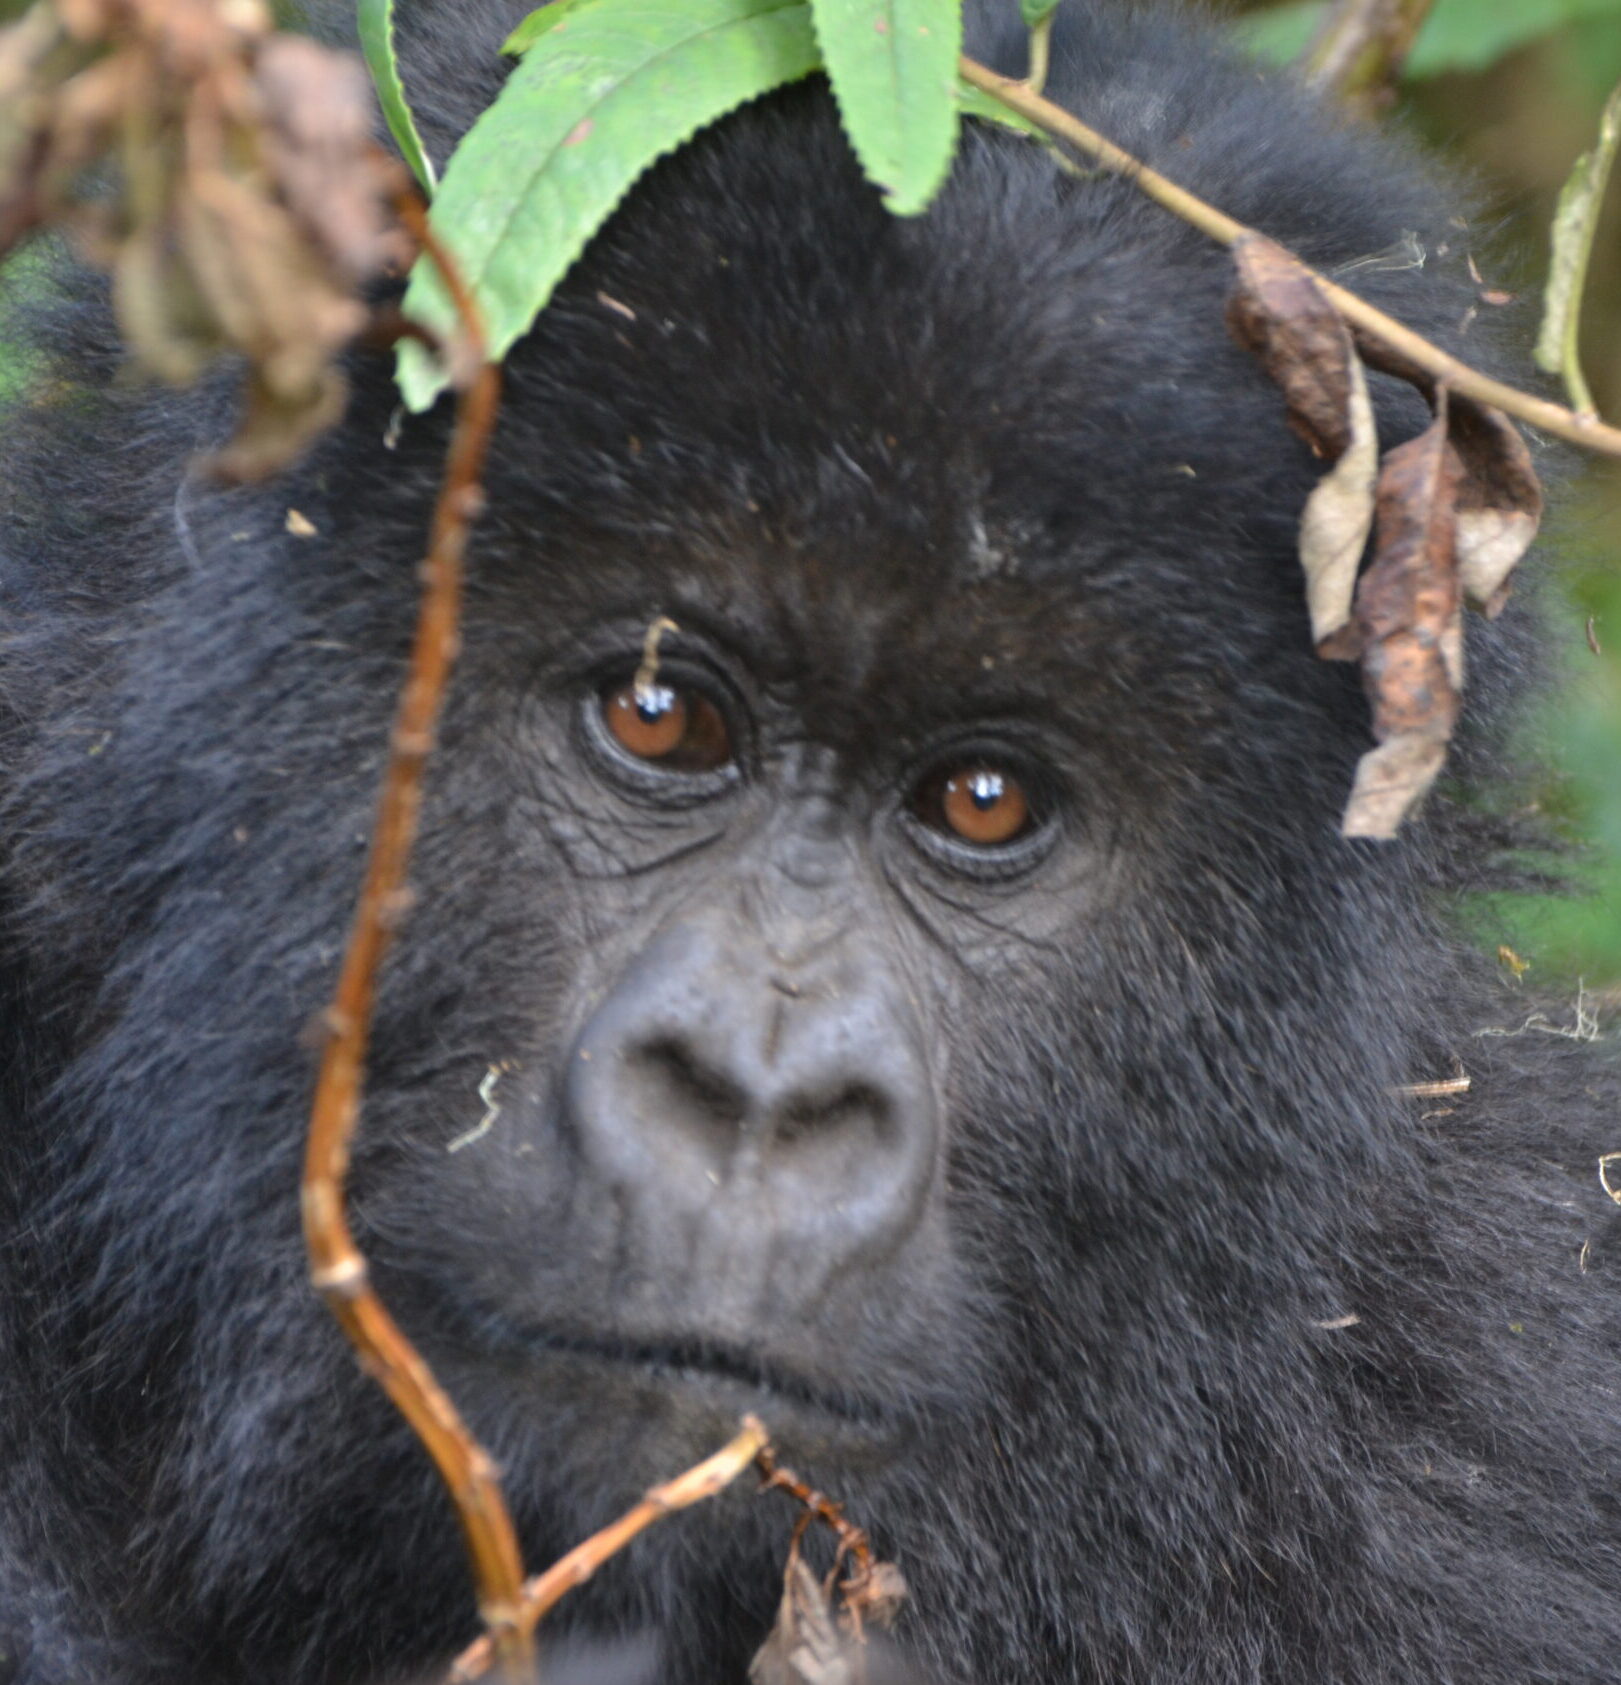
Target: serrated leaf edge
point(420, 391)
point(921, 196)
point(374, 23)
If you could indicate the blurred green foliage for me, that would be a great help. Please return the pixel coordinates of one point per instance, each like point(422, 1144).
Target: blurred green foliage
point(1578, 741)
point(1459, 34)
point(15, 276)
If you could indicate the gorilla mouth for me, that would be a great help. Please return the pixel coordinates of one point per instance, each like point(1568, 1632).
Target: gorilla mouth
point(695, 1359)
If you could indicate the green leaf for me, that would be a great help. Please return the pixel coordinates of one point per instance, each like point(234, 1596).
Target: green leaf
point(1574, 225)
point(588, 109)
point(1477, 33)
point(538, 22)
point(893, 66)
point(1280, 33)
point(1036, 12)
point(376, 23)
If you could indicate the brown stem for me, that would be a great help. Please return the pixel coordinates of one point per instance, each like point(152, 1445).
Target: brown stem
point(337, 1267)
point(1587, 431)
point(853, 1541)
point(1358, 52)
point(545, 1591)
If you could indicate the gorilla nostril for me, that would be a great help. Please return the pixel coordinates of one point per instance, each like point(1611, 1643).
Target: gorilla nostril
point(671, 1086)
point(856, 1106)
point(672, 1083)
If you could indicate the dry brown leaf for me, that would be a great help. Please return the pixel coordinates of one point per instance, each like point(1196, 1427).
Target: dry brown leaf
point(1390, 781)
point(275, 427)
point(874, 1598)
point(1408, 614)
point(805, 1646)
point(317, 146)
point(166, 324)
point(1278, 311)
point(251, 202)
point(1337, 519)
point(1499, 503)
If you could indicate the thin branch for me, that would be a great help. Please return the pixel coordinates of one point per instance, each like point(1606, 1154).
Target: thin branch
point(545, 1591)
point(853, 1540)
point(1575, 225)
point(1397, 342)
point(1357, 53)
point(337, 1267)
point(1041, 49)
point(871, 1590)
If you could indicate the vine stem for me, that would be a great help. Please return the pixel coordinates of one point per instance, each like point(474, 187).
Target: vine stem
point(1584, 430)
point(338, 1268)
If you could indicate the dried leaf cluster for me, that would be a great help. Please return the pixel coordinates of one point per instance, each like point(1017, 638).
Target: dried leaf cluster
point(810, 1642)
point(1451, 513)
point(247, 207)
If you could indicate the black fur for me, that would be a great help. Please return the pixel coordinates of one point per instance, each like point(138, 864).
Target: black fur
point(997, 468)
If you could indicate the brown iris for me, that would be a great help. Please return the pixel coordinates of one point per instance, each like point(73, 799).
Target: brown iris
point(680, 729)
point(981, 804)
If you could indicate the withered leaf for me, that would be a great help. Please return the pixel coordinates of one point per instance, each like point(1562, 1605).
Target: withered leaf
point(319, 147)
point(268, 292)
point(167, 324)
point(1408, 614)
point(1390, 781)
point(1338, 516)
point(805, 1646)
point(1500, 502)
point(1278, 311)
point(875, 1598)
point(249, 203)
point(275, 427)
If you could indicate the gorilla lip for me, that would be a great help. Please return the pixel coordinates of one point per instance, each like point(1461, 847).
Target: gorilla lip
point(697, 1358)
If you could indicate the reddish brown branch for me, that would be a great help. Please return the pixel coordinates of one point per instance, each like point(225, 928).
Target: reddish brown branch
point(871, 1590)
point(337, 1267)
point(853, 1540)
point(544, 1591)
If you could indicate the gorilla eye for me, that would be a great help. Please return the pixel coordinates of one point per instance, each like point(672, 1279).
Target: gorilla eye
point(982, 804)
point(676, 728)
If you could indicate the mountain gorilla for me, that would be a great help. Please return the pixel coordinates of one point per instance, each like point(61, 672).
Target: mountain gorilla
point(939, 1014)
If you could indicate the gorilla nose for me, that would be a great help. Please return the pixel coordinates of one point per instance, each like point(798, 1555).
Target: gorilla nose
point(797, 1108)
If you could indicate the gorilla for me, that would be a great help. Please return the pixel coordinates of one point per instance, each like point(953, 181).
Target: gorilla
point(939, 1013)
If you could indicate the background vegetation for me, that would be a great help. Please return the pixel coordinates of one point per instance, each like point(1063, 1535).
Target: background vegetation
point(1511, 91)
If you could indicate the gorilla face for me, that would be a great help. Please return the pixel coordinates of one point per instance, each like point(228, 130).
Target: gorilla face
point(717, 1169)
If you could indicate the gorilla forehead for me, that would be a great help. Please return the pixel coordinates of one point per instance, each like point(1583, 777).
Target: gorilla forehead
point(801, 376)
